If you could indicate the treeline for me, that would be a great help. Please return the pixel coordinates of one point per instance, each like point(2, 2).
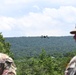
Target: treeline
point(32, 46)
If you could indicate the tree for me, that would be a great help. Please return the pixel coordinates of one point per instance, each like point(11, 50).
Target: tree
point(5, 46)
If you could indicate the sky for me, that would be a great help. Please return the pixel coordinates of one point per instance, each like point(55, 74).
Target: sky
point(37, 17)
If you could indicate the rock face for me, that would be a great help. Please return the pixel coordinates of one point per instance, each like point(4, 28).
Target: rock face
point(7, 66)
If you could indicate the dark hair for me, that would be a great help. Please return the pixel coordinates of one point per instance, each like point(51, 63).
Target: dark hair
point(1, 68)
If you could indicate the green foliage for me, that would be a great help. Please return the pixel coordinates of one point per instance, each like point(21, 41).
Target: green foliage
point(32, 46)
point(4, 46)
point(42, 65)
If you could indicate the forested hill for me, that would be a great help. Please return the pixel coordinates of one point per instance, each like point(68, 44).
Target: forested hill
point(32, 46)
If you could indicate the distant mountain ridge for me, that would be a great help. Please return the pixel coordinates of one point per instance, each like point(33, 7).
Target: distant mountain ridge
point(32, 46)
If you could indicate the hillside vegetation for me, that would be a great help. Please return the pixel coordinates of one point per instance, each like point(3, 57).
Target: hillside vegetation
point(32, 46)
point(42, 56)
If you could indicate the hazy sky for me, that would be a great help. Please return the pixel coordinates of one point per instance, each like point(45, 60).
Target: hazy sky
point(37, 17)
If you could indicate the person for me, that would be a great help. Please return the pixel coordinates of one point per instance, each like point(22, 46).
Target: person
point(7, 65)
point(71, 68)
point(74, 37)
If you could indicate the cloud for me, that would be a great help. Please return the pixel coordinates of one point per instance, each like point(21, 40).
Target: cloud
point(35, 6)
point(18, 8)
point(25, 3)
point(50, 21)
point(6, 23)
point(65, 13)
point(37, 17)
point(15, 1)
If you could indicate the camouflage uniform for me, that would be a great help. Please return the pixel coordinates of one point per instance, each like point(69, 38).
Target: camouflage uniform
point(7, 66)
point(71, 68)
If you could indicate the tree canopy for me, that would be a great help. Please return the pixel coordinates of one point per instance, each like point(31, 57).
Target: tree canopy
point(5, 46)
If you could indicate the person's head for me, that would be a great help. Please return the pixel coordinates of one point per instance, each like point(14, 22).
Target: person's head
point(7, 65)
